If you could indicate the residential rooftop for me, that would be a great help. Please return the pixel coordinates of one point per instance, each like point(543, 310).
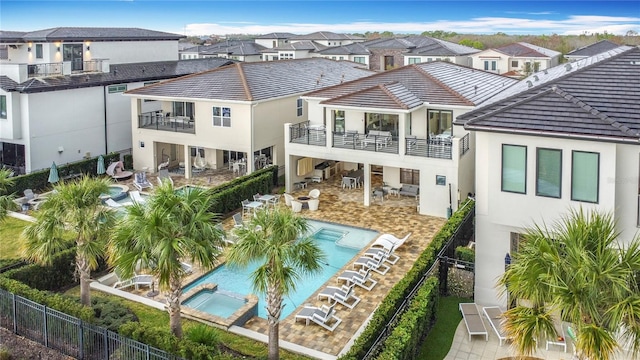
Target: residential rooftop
point(421, 45)
point(593, 49)
point(86, 34)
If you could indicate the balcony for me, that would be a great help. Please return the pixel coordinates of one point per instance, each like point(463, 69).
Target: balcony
point(66, 68)
point(44, 70)
point(156, 120)
point(374, 142)
point(303, 133)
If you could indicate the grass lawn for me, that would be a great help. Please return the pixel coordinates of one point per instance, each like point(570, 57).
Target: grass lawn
point(438, 343)
point(9, 234)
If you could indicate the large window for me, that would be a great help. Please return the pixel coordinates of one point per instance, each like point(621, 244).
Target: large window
point(414, 60)
point(39, 51)
point(299, 107)
point(338, 121)
point(183, 109)
point(221, 116)
point(117, 88)
point(514, 168)
point(549, 172)
point(3, 106)
point(440, 122)
point(490, 65)
point(410, 176)
point(585, 169)
point(382, 122)
point(359, 59)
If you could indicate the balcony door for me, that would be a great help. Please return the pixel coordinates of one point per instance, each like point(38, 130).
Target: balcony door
point(381, 122)
point(73, 53)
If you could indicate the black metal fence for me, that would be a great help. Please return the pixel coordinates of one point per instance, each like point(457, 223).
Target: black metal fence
point(70, 335)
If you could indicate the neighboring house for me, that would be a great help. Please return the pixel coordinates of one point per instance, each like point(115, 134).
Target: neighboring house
point(398, 123)
point(388, 53)
point(591, 50)
point(310, 45)
point(353, 52)
point(327, 38)
point(273, 40)
point(65, 105)
point(517, 59)
point(240, 50)
point(227, 114)
point(293, 50)
point(567, 138)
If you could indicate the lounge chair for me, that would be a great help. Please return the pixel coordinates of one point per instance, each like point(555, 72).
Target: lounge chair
point(472, 320)
point(117, 172)
point(345, 295)
point(163, 176)
point(494, 315)
point(136, 281)
point(287, 199)
point(560, 340)
point(323, 316)
point(186, 267)
point(29, 194)
point(388, 240)
point(237, 219)
point(376, 265)
point(141, 182)
point(361, 278)
point(111, 203)
point(136, 197)
point(385, 253)
point(314, 194)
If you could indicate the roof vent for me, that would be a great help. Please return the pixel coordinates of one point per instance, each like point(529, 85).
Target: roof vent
point(475, 89)
point(115, 70)
point(545, 71)
point(529, 84)
point(635, 62)
point(143, 69)
point(535, 77)
point(568, 67)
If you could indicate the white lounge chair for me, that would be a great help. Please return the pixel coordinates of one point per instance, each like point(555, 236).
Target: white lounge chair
point(376, 265)
point(472, 320)
point(111, 203)
point(323, 316)
point(141, 182)
point(136, 197)
point(385, 253)
point(163, 176)
point(186, 267)
point(345, 295)
point(560, 340)
point(136, 281)
point(494, 315)
point(388, 241)
point(361, 278)
point(237, 219)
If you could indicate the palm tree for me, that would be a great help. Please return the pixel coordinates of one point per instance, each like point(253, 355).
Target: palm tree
point(6, 201)
point(577, 270)
point(72, 206)
point(271, 238)
point(170, 227)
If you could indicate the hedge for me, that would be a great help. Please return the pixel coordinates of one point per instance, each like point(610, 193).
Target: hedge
point(401, 290)
point(413, 326)
point(38, 180)
point(465, 254)
point(227, 197)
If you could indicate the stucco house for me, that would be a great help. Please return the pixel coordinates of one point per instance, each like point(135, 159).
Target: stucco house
point(562, 139)
point(228, 114)
point(60, 90)
point(398, 123)
point(239, 50)
point(517, 59)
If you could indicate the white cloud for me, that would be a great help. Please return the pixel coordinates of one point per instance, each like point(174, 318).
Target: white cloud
point(576, 24)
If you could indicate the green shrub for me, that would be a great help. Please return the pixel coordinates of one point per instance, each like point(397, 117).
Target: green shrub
point(127, 161)
point(5, 354)
point(465, 254)
point(203, 334)
point(111, 314)
point(162, 339)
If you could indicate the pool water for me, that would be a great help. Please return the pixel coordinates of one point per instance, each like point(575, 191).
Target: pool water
point(328, 236)
point(218, 302)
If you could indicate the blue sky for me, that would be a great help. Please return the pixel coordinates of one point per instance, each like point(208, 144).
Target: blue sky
point(300, 17)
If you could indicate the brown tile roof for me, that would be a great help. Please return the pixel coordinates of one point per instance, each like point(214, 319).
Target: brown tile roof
point(383, 96)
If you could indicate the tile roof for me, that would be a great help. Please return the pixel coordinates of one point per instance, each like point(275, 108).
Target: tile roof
point(7, 84)
point(383, 96)
point(299, 45)
point(96, 34)
point(325, 35)
point(276, 35)
point(11, 36)
point(597, 97)
point(436, 82)
point(239, 49)
point(351, 49)
point(122, 73)
point(593, 49)
point(421, 45)
point(519, 50)
point(254, 81)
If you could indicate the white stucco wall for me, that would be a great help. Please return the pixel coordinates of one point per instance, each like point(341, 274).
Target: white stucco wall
point(119, 52)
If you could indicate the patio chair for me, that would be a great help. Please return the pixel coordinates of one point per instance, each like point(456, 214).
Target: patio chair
point(296, 206)
point(163, 176)
point(376, 265)
point(287, 199)
point(256, 197)
point(560, 340)
point(237, 219)
point(313, 204)
point(29, 194)
point(360, 278)
point(136, 197)
point(384, 253)
point(141, 182)
point(347, 182)
point(245, 206)
point(314, 194)
point(323, 316)
point(472, 320)
point(494, 315)
point(389, 241)
point(186, 267)
point(345, 295)
point(111, 203)
point(136, 282)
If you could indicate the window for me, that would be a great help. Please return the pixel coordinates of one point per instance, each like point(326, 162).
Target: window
point(338, 121)
point(117, 88)
point(359, 59)
point(440, 122)
point(429, 59)
point(221, 116)
point(514, 63)
point(299, 107)
point(490, 65)
point(585, 167)
point(39, 51)
point(414, 60)
point(183, 109)
point(514, 168)
point(382, 122)
point(284, 56)
point(410, 176)
point(549, 172)
point(3, 106)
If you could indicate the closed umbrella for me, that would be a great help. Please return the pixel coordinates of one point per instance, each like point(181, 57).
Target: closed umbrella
point(53, 173)
point(101, 169)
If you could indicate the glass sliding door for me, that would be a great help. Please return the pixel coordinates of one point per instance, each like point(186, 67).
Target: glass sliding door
point(381, 122)
point(73, 53)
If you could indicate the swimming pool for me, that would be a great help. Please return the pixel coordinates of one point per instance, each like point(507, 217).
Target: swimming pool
point(340, 244)
point(116, 192)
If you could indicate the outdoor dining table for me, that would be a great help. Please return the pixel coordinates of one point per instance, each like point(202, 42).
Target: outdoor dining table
point(254, 205)
point(266, 199)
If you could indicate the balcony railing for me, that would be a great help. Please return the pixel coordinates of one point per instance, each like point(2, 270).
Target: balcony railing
point(42, 70)
point(303, 133)
point(377, 143)
point(159, 121)
point(440, 149)
point(92, 66)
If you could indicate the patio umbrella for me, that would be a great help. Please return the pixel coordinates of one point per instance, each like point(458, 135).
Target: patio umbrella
point(53, 173)
point(101, 169)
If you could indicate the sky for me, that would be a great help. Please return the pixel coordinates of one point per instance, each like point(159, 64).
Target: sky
point(564, 17)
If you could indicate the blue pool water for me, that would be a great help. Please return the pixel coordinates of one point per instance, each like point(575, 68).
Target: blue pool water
point(340, 244)
point(218, 302)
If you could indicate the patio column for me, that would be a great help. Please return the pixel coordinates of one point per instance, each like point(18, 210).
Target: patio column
point(367, 184)
point(288, 183)
point(187, 161)
point(402, 121)
point(328, 128)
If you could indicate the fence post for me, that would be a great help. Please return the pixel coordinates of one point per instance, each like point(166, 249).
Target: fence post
point(106, 344)
point(148, 352)
point(46, 335)
point(15, 314)
point(80, 339)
